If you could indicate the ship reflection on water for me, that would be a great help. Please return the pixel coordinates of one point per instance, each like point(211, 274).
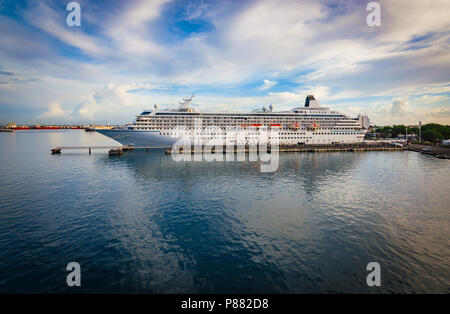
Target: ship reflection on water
point(142, 222)
point(310, 226)
point(225, 226)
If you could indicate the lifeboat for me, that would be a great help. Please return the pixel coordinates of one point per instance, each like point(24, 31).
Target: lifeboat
point(243, 126)
point(278, 125)
point(312, 126)
point(257, 125)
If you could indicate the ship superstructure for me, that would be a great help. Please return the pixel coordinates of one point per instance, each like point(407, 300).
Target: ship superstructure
point(310, 124)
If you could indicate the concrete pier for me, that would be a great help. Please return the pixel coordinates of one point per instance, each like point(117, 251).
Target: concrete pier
point(128, 147)
point(440, 152)
point(113, 150)
point(58, 149)
point(310, 148)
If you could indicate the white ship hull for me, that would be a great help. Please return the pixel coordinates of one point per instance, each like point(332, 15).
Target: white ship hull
point(139, 138)
point(286, 137)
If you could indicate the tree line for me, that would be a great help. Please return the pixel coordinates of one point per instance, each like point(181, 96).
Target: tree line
point(431, 132)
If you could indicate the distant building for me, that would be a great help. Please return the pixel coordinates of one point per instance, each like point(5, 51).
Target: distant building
point(364, 121)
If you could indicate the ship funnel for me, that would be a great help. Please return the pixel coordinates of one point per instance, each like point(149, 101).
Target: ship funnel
point(311, 102)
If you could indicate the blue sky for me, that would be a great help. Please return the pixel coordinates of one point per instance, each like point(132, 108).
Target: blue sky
point(233, 55)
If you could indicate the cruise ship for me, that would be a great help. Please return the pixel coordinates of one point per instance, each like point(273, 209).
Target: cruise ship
point(308, 124)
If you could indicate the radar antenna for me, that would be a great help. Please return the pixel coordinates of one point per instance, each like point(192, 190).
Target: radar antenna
point(186, 101)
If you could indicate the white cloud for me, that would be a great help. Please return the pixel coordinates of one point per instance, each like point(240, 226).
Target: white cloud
point(110, 99)
point(339, 57)
point(404, 20)
point(267, 85)
point(400, 107)
point(132, 33)
point(429, 99)
point(55, 111)
point(401, 111)
point(48, 20)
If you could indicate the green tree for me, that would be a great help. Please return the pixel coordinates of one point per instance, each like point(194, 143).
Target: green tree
point(385, 131)
point(413, 130)
point(431, 135)
point(444, 130)
point(398, 129)
point(430, 131)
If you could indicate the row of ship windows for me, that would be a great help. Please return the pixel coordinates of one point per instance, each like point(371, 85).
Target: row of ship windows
point(240, 118)
point(269, 137)
point(322, 133)
point(248, 123)
point(284, 133)
point(159, 122)
point(292, 120)
point(235, 116)
point(322, 126)
point(334, 133)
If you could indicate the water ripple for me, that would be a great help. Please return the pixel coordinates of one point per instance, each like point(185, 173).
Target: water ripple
point(144, 223)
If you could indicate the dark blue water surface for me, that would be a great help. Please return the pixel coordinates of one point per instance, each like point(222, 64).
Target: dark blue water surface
point(142, 222)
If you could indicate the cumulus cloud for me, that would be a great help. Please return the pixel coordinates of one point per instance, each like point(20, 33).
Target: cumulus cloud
point(109, 99)
point(399, 107)
point(401, 111)
point(117, 102)
point(54, 110)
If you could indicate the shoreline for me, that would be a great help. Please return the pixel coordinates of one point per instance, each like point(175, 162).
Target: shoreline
point(437, 151)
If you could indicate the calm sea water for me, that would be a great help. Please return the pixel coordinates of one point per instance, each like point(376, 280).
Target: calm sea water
point(141, 222)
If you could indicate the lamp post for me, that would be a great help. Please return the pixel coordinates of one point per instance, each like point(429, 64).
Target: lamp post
point(420, 131)
point(406, 134)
